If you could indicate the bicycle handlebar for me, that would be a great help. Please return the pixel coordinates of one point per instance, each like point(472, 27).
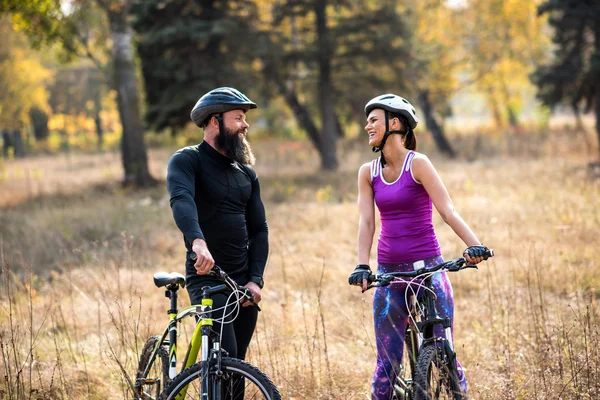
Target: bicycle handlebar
point(455, 265)
point(233, 285)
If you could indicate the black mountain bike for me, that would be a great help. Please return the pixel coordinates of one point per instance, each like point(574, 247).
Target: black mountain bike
point(215, 376)
point(428, 370)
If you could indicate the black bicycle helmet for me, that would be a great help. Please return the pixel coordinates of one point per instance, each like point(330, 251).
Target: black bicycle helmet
point(218, 101)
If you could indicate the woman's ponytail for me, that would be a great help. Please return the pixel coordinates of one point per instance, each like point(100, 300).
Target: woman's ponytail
point(410, 140)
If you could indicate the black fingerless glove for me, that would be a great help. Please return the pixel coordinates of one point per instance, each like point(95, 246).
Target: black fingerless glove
point(362, 271)
point(478, 251)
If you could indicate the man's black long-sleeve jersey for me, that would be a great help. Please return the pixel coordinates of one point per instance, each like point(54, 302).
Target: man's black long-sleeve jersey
point(217, 199)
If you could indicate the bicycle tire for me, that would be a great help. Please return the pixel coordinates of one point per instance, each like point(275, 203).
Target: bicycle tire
point(159, 370)
point(434, 378)
point(233, 370)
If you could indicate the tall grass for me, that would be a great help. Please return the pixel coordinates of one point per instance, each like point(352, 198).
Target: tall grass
point(77, 299)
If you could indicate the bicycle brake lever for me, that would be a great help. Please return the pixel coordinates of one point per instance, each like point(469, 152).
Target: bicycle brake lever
point(254, 304)
point(377, 284)
point(249, 297)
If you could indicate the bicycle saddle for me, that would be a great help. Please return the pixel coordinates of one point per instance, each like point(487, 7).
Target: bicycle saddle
point(164, 278)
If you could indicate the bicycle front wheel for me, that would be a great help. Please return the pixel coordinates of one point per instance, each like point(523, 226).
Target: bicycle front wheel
point(239, 381)
point(435, 378)
point(149, 385)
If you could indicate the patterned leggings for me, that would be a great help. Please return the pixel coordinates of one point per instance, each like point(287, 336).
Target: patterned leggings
point(391, 320)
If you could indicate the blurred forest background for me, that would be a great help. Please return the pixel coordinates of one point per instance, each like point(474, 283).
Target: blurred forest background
point(95, 96)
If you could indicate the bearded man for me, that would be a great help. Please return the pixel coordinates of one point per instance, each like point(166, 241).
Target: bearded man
point(215, 199)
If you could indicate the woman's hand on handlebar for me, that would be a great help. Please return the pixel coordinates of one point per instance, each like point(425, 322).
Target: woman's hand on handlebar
point(476, 254)
point(360, 275)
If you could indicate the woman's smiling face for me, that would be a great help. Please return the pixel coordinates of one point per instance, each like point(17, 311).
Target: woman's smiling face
point(375, 126)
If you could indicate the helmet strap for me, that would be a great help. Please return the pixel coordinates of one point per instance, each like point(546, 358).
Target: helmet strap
point(379, 148)
point(221, 124)
point(387, 122)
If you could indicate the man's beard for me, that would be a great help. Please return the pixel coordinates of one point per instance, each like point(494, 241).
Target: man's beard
point(234, 146)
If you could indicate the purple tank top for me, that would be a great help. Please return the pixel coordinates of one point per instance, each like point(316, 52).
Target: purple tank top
point(405, 209)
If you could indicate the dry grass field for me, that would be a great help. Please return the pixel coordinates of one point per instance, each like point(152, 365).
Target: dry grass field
point(78, 253)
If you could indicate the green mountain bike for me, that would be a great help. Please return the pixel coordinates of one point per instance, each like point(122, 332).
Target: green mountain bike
point(215, 376)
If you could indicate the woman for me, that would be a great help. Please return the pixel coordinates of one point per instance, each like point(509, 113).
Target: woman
point(404, 185)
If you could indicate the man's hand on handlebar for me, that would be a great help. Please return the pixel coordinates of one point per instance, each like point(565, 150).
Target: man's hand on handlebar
point(203, 258)
point(256, 293)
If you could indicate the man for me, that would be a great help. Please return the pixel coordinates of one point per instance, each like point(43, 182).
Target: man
point(215, 199)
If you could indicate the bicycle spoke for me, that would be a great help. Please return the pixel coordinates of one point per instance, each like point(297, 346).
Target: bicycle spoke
point(194, 388)
point(439, 381)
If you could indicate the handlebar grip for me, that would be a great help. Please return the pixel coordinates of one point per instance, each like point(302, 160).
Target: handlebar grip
point(489, 253)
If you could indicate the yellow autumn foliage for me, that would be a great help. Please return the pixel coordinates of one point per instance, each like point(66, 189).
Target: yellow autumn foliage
point(22, 78)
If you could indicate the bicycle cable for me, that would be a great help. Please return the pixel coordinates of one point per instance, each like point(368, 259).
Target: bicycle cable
point(411, 285)
point(236, 309)
point(418, 307)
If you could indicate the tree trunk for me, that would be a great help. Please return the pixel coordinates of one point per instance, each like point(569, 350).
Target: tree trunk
point(301, 113)
point(98, 120)
point(579, 127)
point(6, 143)
point(434, 127)
point(133, 148)
point(513, 119)
point(211, 13)
point(597, 112)
point(18, 144)
point(496, 114)
point(329, 131)
point(597, 88)
point(340, 129)
point(272, 73)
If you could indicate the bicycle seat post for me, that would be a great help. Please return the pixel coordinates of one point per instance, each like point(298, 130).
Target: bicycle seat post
point(171, 293)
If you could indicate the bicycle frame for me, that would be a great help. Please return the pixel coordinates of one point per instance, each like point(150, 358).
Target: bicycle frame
point(200, 337)
point(171, 331)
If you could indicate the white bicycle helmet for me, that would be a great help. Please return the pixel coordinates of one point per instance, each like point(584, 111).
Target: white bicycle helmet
point(394, 104)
